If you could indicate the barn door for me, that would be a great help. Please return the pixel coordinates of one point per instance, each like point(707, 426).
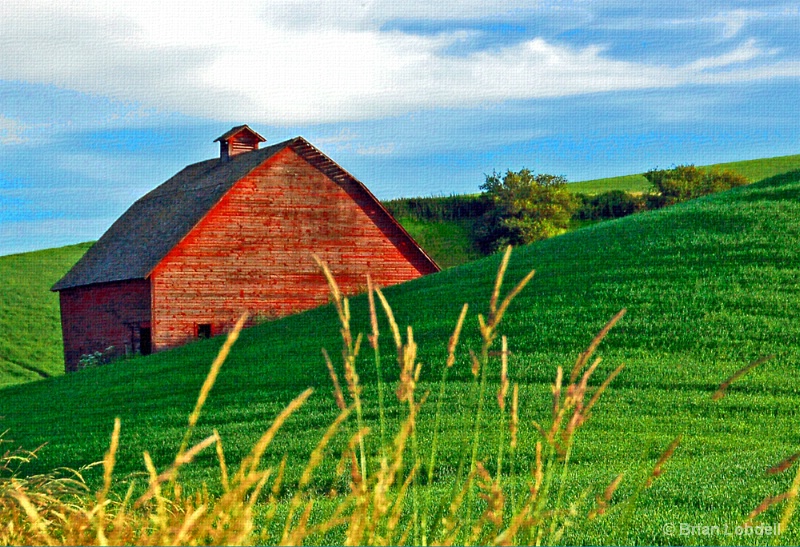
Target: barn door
point(145, 341)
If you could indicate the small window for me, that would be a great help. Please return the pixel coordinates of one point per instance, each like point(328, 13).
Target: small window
point(204, 330)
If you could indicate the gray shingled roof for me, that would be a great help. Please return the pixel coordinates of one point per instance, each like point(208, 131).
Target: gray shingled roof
point(160, 219)
point(135, 244)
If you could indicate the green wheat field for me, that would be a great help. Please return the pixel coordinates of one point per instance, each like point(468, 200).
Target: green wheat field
point(708, 286)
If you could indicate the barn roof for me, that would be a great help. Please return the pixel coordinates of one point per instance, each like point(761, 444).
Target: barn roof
point(236, 130)
point(137, 242)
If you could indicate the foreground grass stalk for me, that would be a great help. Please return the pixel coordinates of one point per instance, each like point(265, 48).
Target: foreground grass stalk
point(560, 496)
point(373, 340)
point(488, 332)
point(484, 367)
point(791, 503)
point(629, 505)
point(542, 497)
point(410, 376)
point(501, 403)
point(513, 432)
point(288, 537)
point(349, 353)
point(108, 469)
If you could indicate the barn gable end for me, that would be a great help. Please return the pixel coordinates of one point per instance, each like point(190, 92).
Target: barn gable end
point(231, 235)
point(234, 261)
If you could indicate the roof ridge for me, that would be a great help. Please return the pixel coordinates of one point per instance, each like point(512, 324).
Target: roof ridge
point(153, 225)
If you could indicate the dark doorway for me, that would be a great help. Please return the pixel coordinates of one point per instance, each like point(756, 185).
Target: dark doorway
point(145, 341)
point(204, 330)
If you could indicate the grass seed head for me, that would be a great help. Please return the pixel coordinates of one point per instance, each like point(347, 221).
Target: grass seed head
point(498, 280)
point(398, 341)
point(659, 467)
point(476, 364)
point(498, 316)
point(453, 342)
point(784, 465)
point(514, 425)
point(556, 389)
point(109, 461)
point(504, 383)
point(211, 379)
point(337, 389)
point(766, 504)
point(721, 392)
point(373, 315)
point(584, 357)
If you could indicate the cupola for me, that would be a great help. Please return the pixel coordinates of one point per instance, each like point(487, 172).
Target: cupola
point(238, 140)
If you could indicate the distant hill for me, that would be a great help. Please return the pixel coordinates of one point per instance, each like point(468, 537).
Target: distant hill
point(31, 346)
point(442, 225)
point(709, 285)
point(754, 170)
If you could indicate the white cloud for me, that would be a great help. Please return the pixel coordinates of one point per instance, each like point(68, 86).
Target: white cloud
point(290, 61)
point(734, 21)
point(742, 54)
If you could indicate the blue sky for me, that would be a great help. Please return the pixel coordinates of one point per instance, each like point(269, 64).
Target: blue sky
point(102, 101)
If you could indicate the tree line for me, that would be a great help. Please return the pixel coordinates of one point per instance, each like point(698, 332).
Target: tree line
point(520, 207)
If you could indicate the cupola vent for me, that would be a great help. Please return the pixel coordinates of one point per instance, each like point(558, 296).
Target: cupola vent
point(238, 140)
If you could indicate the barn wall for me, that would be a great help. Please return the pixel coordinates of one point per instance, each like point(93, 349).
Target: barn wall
point(96, 317)
point(253, 251)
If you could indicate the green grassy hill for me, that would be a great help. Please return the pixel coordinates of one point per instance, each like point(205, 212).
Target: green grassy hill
point(448, 241)
point(709, 286)
point(754, 170)
point(31, 346)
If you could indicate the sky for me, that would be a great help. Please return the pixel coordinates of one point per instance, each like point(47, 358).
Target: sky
point(100, 101)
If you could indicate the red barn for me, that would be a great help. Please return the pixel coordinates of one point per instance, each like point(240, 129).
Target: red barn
point(226, 235)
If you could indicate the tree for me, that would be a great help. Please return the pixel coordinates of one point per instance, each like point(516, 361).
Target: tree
point(524, 208)
point(687, 182)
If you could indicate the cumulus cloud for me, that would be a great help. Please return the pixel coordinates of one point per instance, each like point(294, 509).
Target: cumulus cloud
point(293, 61)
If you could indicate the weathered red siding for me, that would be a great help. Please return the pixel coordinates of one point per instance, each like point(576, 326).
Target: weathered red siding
point(96, 317)
point(253, 251)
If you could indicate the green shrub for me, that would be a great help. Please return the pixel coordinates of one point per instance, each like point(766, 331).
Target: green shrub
point(525, 208)
point(687, 182)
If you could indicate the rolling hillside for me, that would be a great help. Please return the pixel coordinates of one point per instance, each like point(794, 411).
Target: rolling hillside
point(754, 170)
point(448, 240)
point(709, 285)
point(31, 346)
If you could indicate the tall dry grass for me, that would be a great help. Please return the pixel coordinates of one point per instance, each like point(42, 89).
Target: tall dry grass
point(392, 497)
